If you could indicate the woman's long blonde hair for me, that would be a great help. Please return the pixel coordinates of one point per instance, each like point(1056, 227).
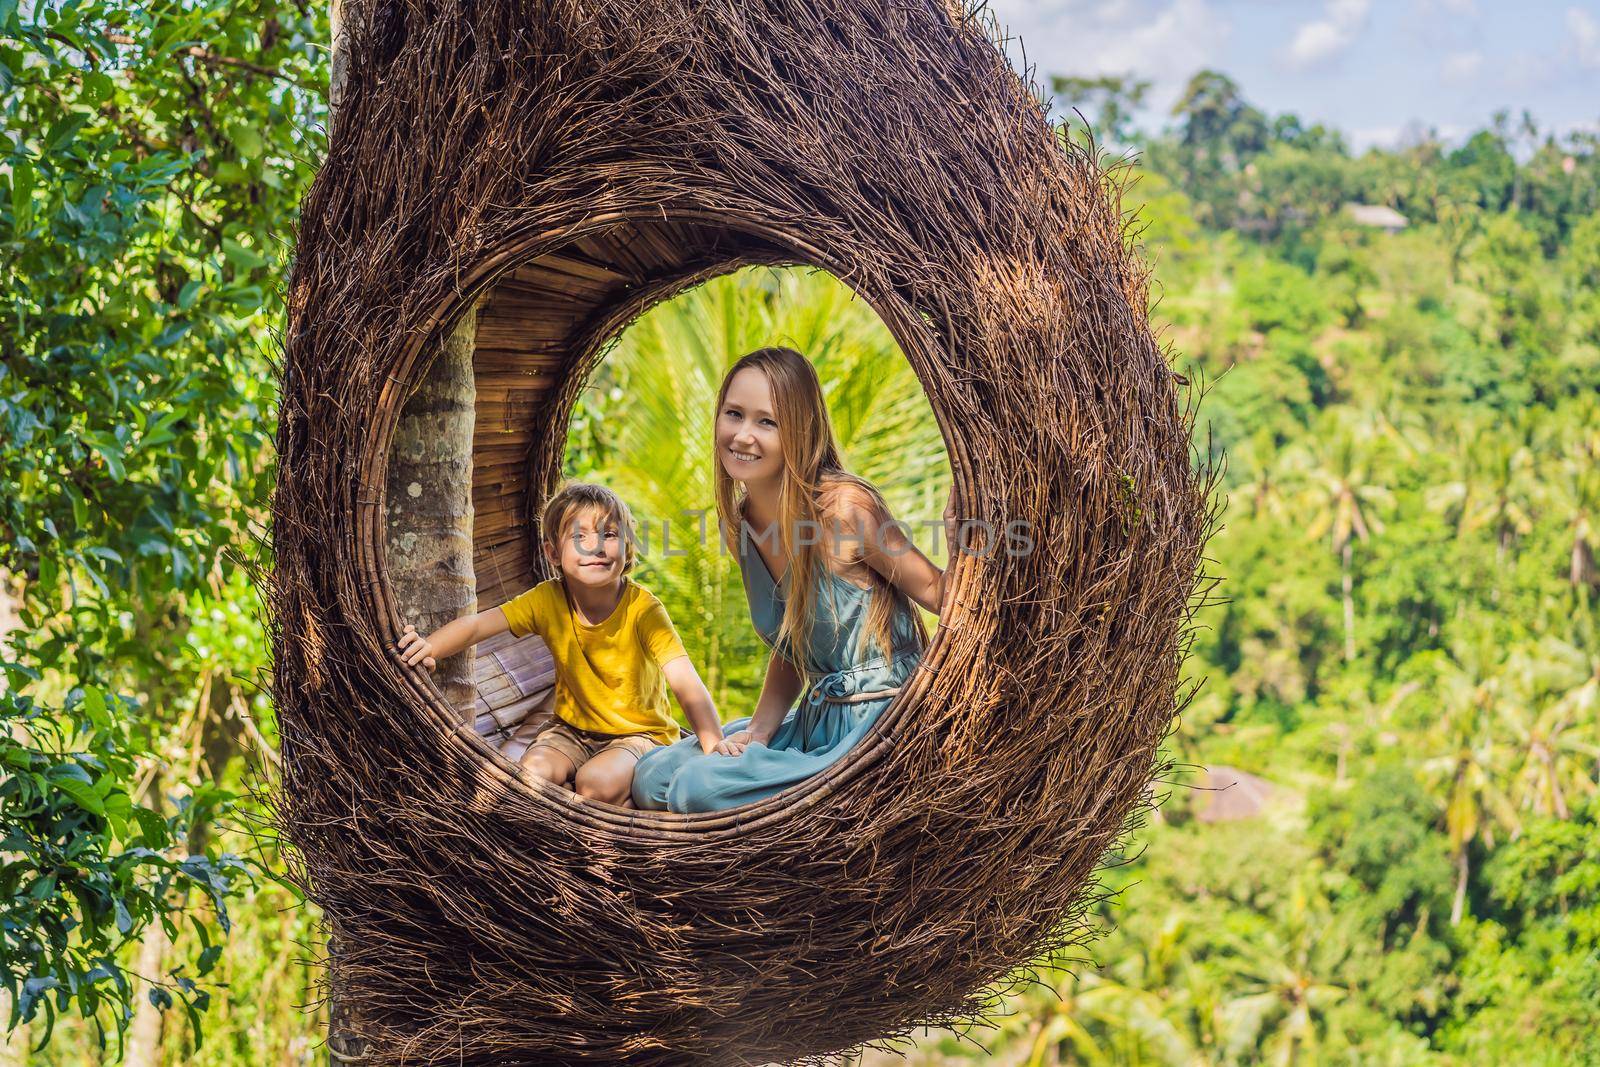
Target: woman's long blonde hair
point(811, 463)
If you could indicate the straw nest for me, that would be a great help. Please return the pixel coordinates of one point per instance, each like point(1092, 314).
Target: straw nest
point(484, 919)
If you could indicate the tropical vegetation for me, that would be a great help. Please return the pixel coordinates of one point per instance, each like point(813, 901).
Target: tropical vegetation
point(1404, 679)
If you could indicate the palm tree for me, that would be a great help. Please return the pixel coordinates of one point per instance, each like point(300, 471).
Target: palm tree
point(1262, 461)
point(1093, 1019)
point(1176, 1023)
point(1575, 494)
point(1471, 765)
point(1557, 745)
point(650, 409)
point(880, 412)
point(1508, 463)
point(1339, 488)
point(428, 520)
point(1460, 222)
point(1457, 498)
point(1280, 1012)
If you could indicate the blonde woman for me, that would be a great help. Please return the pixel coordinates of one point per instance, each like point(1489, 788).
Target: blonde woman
point(826, 569)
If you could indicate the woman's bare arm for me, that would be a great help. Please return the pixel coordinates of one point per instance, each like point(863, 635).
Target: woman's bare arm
point(778, 692)
point(888, 551)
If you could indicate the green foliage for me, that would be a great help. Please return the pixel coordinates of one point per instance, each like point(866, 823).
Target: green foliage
point(1275, 176)
point(1105, 105)
point(146, 206)
point(84, 869)
point(148, 180)
point(1531, 986)
point(1407, 653)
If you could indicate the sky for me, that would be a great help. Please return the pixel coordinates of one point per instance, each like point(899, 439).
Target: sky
point(1374, 69)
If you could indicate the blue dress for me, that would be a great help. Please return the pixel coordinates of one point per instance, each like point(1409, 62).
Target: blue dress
point(841, 703)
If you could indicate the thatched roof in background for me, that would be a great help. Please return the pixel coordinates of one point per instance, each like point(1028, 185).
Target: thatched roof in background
point(486, 919)
point(1233, 794)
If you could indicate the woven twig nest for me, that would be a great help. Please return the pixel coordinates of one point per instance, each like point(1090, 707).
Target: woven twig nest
point(574, 162)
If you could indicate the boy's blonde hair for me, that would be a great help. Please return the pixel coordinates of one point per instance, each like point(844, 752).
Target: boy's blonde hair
point(575, 497)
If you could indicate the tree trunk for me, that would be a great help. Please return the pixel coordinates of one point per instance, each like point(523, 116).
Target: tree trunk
point(1582, 572)
point(430, 505)
point(1458, 905)
point(165, 692)
point(8, 617)
point(345, 1044)
point(429, 512)
point(219, 743)
point(144, 1033)
point(14, 1043)
point(1349, 604)
point(339, 13)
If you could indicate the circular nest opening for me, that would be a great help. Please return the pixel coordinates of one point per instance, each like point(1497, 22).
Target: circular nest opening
point(652, 144)
point(539, 330)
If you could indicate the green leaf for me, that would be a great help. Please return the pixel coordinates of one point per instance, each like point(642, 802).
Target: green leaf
point(113, 458)
point(119, 806)
point(194, 1007)
point(23, 177)
point(189, 293)
point(247, 141)
point(172, 333)
point(110, 555)
point(161, 432)
point(84, 794)
point(94, 704)
point(240, 256)
point(62, 133)
point(97, 86)
point(35, 989)
point(152, 827)
point(63, 772)
point(230, 173)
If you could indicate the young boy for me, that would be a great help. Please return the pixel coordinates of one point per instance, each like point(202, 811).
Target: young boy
point(613, 646)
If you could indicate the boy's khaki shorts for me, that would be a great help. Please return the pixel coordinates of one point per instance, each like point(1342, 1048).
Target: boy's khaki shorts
point(581, 746)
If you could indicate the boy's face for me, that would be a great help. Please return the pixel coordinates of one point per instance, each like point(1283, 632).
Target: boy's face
point(591, 550)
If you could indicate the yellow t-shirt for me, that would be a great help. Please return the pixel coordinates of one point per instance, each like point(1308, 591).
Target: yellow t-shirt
point(608, 676)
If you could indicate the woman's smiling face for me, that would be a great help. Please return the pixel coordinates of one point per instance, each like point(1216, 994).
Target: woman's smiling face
point(747, 430)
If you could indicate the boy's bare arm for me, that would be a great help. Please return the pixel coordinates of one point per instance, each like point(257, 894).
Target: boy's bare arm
point(450, 638)
point(695, 699)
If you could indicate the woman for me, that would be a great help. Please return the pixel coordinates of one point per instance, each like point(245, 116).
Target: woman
point(846, 577)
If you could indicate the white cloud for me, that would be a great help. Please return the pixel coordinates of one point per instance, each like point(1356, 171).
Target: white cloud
point(1464, 8)
point(1462, 66)
point(1324, 38)
point(1164, 41)
point(1585, 30)
point(1363, 137)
